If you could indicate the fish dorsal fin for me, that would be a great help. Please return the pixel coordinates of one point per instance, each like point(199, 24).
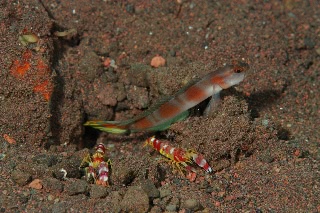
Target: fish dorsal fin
point(157, 105)
point(151, 109)
point(187, 85)
point(165, 99)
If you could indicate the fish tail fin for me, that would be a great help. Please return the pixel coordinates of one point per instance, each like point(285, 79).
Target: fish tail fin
point(113, 127)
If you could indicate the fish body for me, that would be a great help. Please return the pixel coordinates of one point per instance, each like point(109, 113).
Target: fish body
point(176, 108)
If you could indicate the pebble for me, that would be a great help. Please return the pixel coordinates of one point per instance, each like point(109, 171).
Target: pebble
point(108, 94)
point(266, 157)
point(221, 164)
point(70, 165)
point(48, 160)
point(204, 184)
point(52, 184)
point(171, 207)
point(36, 184)
point(21, 178)
point(2, 156)
point(139, 96)
point(27, 193)
point(158, 61)
point(115, 198)
point(156, 209)
point(98, 191)
point(150, 189)
point(50, 197)
point(265, 122)
point(59, 207)
point(88, 64)
point(130, 8)
point(191, 204)
point(137, 75)
point(135, 200)
point(309, 43)
point(165, 193)
point(77, 187)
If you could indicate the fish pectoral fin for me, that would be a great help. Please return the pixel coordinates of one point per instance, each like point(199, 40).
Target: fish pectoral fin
point(213, 104)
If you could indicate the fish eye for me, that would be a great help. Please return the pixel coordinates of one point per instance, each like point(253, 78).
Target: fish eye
point(238, 70)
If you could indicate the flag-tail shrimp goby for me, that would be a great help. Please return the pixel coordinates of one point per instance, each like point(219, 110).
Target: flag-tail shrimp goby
point(175, 108)
point(179, 156)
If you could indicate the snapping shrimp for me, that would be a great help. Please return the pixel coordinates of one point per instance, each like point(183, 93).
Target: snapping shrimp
point(96, 166)
point(177, 156)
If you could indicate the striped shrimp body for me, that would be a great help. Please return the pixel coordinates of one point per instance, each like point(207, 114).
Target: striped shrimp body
point(179, 156)
point(103, 174)
point(96, 166)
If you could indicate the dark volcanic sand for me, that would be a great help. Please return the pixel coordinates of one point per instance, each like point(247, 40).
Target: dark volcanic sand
point(263, 141)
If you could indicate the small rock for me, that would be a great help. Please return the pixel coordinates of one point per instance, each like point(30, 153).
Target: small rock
point(266, 157)
point(137, 74)
point(204, 184)
point(23, 198)
point(172, 53)
point(9, 139)
point(2, 156)
point(221, 164)
point(21, 178)
point(115, 198)
point(52, 184)
point(77, 187)
point(158, 61)
point(171, 207)
point(48, 160)
point(135, 200)
point(130, 8)
point(150, 189)
point(26, 193)
point(156, 202)
point(107, 95)
point(209, 190)
point(265, 122)
point(98, 191)
point(59, 207)
point(165, 193)
point(36, 184)
point(88, 65)
point(309, 43)
point(177, 181)
point(156, 209)
point(70, 165)
point(191, 204)
point(138, 96)
point(191, 176)
point(50, 197)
